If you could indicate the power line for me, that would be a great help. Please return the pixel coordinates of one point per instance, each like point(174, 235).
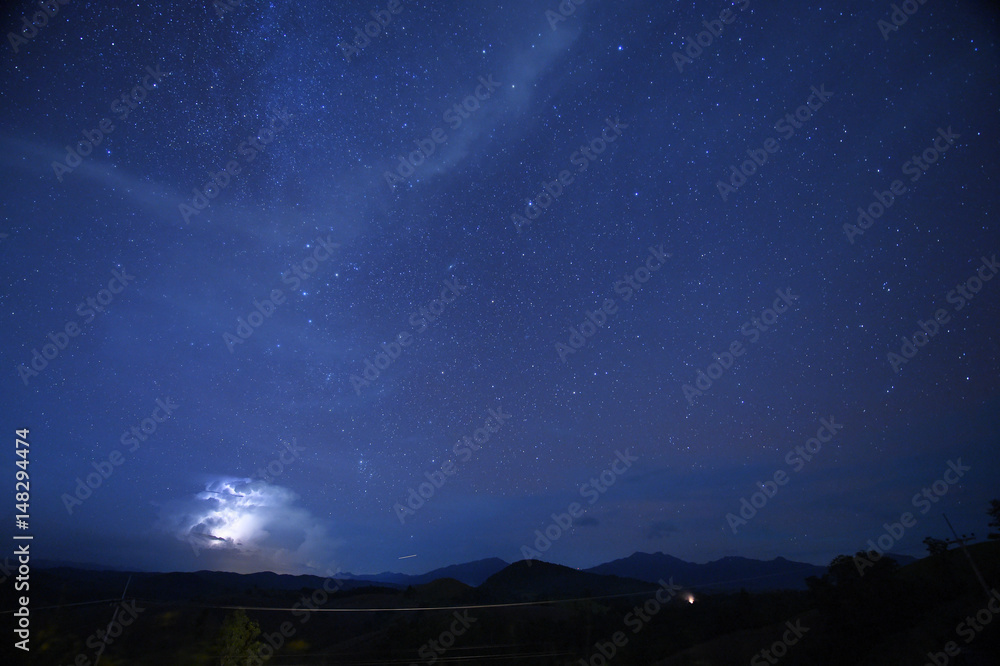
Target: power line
point(114, 616)
point(78, 603)
point(442, 608)
point(411, 608)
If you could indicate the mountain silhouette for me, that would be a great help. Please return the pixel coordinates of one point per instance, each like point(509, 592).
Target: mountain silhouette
point(728, 573)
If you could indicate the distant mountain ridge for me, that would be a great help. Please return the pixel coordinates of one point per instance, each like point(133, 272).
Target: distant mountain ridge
point(728, 573)
point(471, 573)
point(725, 574)
point(529, 580)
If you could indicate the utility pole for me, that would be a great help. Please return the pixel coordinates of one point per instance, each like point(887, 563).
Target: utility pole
point(115, 615)
point(961, 542)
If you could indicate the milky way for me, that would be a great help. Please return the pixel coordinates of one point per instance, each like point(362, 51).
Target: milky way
point(687, 234)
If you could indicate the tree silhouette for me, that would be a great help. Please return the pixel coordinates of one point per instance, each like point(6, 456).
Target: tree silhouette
point(994, 512)
point(935, 546)
point(861, 596)
point(238, 639)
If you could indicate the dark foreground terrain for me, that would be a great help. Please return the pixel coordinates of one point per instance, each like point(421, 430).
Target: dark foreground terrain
point(931, 611)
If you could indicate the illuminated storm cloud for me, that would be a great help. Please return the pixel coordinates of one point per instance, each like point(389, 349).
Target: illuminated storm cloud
point(253, 521)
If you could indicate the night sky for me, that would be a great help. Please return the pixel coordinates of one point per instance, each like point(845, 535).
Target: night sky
point(589, 262)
